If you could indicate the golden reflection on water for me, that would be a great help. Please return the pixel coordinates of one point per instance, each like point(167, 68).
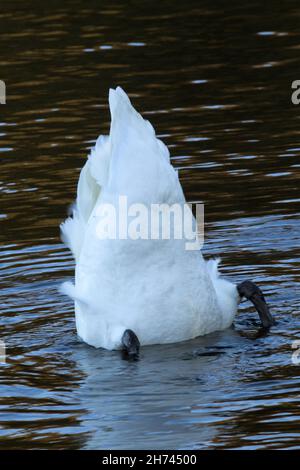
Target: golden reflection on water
point(216, 84)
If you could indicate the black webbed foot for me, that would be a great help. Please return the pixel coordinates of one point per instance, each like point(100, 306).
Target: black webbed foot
point(252, 292)
point(131, 345)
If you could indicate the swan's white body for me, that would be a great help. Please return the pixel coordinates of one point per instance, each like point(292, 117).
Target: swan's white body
point(157, 288)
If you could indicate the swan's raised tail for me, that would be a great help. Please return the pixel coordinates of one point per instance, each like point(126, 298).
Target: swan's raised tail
point(121, 163)
point(139, 162)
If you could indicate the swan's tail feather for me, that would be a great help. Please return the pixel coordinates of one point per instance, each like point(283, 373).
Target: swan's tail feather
point(125, 118)
point(213, 268)
point(99, 160)
point(72, 232)
point(137, 155)
point(68, 288)
point(226, 292)
point(87, 193)
point(117, 98)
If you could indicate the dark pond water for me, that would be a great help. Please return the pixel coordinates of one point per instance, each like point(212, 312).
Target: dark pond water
point(215, 80)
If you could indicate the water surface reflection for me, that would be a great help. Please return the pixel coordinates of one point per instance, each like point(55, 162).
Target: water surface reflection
point(216, 84)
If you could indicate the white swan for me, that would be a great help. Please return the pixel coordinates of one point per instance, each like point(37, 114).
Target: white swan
point(129, 292)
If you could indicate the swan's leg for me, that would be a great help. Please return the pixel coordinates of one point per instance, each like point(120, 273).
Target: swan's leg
point(252, 292)
point(130, 345)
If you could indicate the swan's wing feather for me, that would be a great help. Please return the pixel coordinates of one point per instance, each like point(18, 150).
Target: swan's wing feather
point(92, 177)
point(72, 233)
point(99, 160)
